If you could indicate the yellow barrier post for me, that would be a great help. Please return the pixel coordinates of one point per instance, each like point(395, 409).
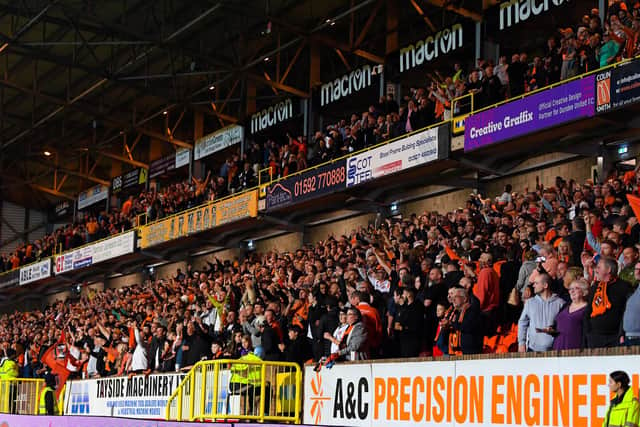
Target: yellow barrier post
point(203, 385)
point(214, 406)
point(263, 386)
point(192, 393)
point(298, 393)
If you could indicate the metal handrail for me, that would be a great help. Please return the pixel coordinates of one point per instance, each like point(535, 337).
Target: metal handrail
point(202, 391)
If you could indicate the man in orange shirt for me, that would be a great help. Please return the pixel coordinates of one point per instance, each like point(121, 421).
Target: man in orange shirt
point(126, 206)
point(487, 290)
point(370, 318)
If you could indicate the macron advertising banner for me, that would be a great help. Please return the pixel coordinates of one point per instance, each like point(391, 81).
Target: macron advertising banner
point(414, 150)
point(554, 391)
point(95, 253)
point(618, 87)
point(552, 107)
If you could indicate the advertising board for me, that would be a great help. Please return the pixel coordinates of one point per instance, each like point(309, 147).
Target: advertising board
point(35, 271)
point(414, 150)
point(551, 107)
point(554, 391)
point(309, 185)
point(201, 218)
point(92, 196)
point(95, 253)
point(617, 87)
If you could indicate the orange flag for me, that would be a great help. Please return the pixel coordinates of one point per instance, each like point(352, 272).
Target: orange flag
point(634, 201)
point(58, 367)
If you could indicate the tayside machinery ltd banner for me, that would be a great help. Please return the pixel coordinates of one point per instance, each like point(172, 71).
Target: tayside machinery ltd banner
point(414, 150)
point(95, 253)
point(45, 421)
point(35, 271)
point(199, 219)
point(558, 391)
point(309, 185)
point(141, 396)
point(565, 103)
point(618, 87)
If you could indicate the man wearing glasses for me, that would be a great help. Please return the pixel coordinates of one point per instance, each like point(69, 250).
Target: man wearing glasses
point(631, 317)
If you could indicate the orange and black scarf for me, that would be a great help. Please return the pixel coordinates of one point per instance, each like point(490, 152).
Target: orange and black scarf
point(600, 303)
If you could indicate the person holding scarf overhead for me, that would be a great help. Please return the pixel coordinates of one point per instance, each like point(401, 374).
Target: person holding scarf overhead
point(606, 306)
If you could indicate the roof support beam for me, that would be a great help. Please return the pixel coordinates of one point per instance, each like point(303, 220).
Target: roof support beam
point(52, 191)
point(277, 85)
point(459, 10)
point(123, 159)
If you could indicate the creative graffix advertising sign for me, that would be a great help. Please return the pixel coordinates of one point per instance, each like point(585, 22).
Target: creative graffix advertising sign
point(271, 116)
point(414, 150)
point(618, 87)
point(103, 250)
point(441, 43)
point(92, 196)
point(10, 278)
point(36, 271)
point(7, 420)
point(565, 103)
point(512, 12)
point(217, 141)
point(346, 85)
point(130, 179)
point(136, 397)
point(199, 219)
point(308, 185)
point(558, 391)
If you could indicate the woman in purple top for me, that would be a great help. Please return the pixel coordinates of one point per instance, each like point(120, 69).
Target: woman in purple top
point(569, 321)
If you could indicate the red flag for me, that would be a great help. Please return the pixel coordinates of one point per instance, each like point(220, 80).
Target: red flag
point(634, 201)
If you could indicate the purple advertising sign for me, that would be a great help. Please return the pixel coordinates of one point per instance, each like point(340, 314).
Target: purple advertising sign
point(552, 107)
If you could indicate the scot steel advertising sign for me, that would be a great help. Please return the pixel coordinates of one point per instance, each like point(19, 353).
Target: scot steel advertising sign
point(103, 250)
point(552, 107)
point(546, 392)
point(414, 150)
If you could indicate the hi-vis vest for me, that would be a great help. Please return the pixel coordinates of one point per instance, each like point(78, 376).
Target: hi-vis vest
point(42, 406)
point(8, 370)
point(247, 374)
point(625, 413)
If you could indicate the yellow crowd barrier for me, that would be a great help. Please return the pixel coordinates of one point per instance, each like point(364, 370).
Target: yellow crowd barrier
point(20, 396)
point(238, 390)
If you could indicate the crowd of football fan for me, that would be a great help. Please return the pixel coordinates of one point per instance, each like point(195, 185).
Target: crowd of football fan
point(554, 268)
point(573, 50)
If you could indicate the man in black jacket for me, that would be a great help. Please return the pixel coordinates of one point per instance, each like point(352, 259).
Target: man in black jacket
point(298, 349)
point(409, 324)
point(605, 306)
point(157, 345)
point(466, 328)
point(270, 341)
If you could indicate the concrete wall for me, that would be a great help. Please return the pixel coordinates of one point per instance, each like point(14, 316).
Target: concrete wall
point(580, 170)
point(345, 226)
point(200, 262)
point(441, 203)
point(124, 281)
point(285, 243)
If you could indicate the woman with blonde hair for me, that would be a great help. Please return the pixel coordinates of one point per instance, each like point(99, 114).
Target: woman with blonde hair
point(568, 329)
